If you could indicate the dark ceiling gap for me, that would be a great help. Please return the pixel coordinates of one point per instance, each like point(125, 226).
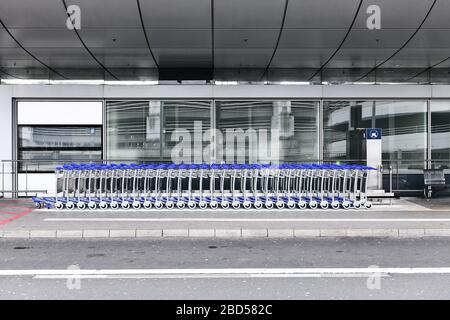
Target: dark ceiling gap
point(145, 34)
point(340, 45)
point(278, 40)
point(402, 47)
point(87, 49)
point(29, 53)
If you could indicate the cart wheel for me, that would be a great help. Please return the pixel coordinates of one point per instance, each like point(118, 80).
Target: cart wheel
point(70, 205)
point(191, 204)
point(147, 204)
point(302, 204)
point(103, 205)
point(158, 204)
point(203, 205)
point(214, 204)
point(170, 205)
point(181, 205)
point(247, 204)
point(368, 204)
point(58, 205)
point(92, 205)
point(280, 204)
point(357, 204)
point(346, 205)
point(324, 204)
point(291, 204)
point(81, 205)
point(313, 204)
point(269, 204)
point(236, 204)
point(225, 204)
point(258, 204)
point(125, 205)
point(335, 204)
point(137, 205)
point(114, 205)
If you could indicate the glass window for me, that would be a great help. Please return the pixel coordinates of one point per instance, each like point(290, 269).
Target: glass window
point(265, 131)
point(133, 130)
point(440, 133)
point(158, 130)
point(403, 124)
point(404, 133)
point(186, 127)
point(48, 146)
point(404, 143)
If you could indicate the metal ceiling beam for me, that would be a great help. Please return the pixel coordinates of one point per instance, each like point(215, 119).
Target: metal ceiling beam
point(428, 69)
point(342, 42)
point(87, 49)
point(402, 47)
point(145, 34)
point(286, 4)
point(8, 74)
point(28, 52)
point(212, 40)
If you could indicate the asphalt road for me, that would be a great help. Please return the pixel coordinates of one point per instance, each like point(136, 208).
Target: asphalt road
point(225, 269)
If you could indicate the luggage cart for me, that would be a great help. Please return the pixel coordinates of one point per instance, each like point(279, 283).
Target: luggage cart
point(208, 186)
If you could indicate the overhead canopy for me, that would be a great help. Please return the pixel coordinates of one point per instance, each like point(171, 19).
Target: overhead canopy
point(226, 40)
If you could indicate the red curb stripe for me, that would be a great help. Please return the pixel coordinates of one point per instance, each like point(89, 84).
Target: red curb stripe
point(3, 222)
point(13, 206)
point(8, 212)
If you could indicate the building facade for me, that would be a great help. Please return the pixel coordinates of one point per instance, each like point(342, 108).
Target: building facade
point(46, 125)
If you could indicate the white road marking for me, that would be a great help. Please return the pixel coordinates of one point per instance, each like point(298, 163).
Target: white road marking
point(220, 272)
point(249, 219)
point(207, 276)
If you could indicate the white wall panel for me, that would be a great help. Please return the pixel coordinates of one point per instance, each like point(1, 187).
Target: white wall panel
point(59, 112)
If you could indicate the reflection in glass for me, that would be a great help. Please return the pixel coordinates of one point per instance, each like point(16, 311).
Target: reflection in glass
point(133, 129)
point(403, 124)
point(49, 146)
point(194, 118)
point(343, 123)
point(440, 133)
point(59, 137)
point(294, 122)
point(149, 130)
point(404, 132)
point(47, 160)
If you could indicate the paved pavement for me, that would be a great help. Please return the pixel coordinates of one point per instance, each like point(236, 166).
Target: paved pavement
point(401, 218)
point(332, 268)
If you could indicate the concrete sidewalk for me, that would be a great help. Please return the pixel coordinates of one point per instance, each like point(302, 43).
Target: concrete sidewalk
point(402, 218)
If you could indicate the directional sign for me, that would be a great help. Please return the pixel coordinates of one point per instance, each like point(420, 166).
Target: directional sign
point(373, 134)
